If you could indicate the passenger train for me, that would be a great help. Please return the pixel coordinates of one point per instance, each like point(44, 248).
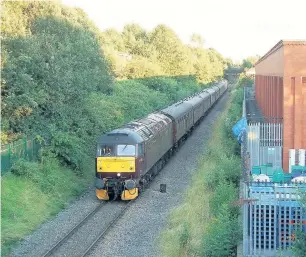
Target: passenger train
point(129, 157)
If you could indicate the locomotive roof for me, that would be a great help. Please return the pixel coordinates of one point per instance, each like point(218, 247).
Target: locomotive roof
point(150, 125)
point(137, 131)
point(121, 136)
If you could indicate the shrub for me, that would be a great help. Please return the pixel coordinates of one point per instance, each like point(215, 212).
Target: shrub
point(26, 169)
point(224, 194)
point(68, 149)
point(222, 235)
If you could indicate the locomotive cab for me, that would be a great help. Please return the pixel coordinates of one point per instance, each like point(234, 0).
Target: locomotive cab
point(118, 164)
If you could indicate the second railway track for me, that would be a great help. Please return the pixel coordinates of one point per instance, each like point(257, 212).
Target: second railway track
point(94, 225)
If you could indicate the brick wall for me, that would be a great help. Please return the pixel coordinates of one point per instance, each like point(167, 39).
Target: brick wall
point(294, 98)
point(281, 91)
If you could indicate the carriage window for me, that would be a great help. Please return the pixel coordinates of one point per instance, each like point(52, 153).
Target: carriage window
point(126, 150)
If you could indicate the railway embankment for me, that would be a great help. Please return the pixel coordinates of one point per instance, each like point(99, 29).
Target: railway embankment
point(136, 232)
point(33, 192)
point(206, 223)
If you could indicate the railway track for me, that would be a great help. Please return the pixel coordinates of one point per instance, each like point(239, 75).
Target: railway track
point(57, 250)
point(105, 231)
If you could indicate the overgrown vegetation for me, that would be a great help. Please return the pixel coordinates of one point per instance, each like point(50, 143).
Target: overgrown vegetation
point(250, 61)
point(63, 81)
point(159, 52)
point(209, 224)
point(31, 193)
point(299, 247)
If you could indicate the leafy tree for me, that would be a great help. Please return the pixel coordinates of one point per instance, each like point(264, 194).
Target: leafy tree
point(51, 65)
point(54, 59)
point(229, 63)
point(140, 67)
point(299, 247)
point(249, 62)
point(160, 52)
point(172, 56)
point(136, 40)
point(197, 40)
point(112, 37)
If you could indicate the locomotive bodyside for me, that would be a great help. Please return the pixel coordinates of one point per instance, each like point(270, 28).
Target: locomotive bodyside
point(135, 149)
point(160, 140)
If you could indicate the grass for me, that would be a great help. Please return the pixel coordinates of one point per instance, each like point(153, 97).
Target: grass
point(33, 192)
point(206, 223)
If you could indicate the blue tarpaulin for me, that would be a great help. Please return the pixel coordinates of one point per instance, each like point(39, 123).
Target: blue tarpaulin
point(239, 128)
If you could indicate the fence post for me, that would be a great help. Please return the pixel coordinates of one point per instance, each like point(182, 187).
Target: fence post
point(25, 148)
point(33, 149)
point(9, 155)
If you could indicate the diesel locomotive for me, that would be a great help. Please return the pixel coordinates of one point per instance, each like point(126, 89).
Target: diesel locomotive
point(129, 157)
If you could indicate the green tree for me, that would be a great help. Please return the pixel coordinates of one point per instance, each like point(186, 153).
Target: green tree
point(50, 67)
point(112, 37)
point(136, 40)
point(140, 67)
point(171, 54)
point(249, 62)
point(299, 247)
point(229, 63)
point(197, 40)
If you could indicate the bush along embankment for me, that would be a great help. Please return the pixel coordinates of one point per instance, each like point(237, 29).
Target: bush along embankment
point(206, 224)
point(58, 86)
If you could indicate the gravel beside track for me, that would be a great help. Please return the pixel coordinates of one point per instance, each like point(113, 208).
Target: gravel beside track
point(136, 233)
point(52, 231)
point(78, 243)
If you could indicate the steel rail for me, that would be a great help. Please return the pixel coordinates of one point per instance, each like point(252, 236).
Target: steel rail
point(59, 243)
point(105, 231)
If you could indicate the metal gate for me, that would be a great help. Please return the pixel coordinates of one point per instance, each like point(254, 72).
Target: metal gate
point(265, 143)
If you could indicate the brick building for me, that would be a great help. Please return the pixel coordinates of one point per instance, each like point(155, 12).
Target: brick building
point(280, 90)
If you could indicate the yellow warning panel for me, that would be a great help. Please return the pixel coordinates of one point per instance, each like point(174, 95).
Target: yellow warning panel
point(129, 194)
point(102, 194)
point(116, 164)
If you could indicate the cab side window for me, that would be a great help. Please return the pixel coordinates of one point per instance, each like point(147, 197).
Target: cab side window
point(140, 149)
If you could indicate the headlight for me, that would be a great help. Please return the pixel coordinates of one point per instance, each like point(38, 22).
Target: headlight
point(118, 174)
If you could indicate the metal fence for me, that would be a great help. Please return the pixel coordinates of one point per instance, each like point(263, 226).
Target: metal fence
point(272, 216)
point(271, 213)
point(23, 148)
